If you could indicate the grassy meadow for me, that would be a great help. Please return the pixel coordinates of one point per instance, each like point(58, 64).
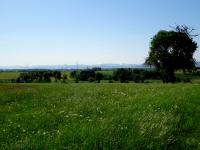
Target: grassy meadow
point(9, 75)
point(100, 116)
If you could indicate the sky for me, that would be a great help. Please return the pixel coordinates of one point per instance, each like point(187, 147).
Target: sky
point(49, 32)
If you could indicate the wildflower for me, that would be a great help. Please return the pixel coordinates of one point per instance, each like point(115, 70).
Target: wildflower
point(61, 112)
point(58, 132)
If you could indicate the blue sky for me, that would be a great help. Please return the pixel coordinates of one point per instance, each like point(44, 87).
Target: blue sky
point(45, 32)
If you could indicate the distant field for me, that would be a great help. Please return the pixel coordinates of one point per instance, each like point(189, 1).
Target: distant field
point(9, 75)
point(99, 116)
point(106, 72)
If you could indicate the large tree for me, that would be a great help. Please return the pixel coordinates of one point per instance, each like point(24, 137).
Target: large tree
point(172, 50)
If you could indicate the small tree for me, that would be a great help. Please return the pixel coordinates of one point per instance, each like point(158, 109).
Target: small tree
point(47, 77)
point(64, 78)
point(73, 74)
point(86, 74)
point(57, 75)
point(98, 77)
point(76, 75)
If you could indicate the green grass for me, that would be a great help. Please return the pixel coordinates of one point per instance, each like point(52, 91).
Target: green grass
point(99, 116)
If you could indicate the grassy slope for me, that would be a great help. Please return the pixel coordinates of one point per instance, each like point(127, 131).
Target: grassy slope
point(110, 116)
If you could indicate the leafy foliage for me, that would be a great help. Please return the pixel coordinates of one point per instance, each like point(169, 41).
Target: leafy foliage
point(172, 50)
point(38, 76)
point(64, 78)
point(86, 74)
point(136, 75)
point(98, 76)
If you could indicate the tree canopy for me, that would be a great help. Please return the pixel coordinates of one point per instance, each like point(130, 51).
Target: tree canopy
point(172, 50)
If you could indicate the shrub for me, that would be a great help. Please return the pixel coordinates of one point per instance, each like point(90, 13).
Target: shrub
point(186, 80)
point(98, 76)
point(136, 75)
point(86, 74)
point(64, 78)
point(122, 75)
point(178, 80)
point(137, 78)
point(110, 81)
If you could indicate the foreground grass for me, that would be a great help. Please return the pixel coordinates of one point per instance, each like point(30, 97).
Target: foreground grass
point(99, 116)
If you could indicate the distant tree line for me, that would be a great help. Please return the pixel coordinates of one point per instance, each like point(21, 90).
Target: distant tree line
point(39, 76)
point(84, 75)
point(136, 75)
point(123, 75)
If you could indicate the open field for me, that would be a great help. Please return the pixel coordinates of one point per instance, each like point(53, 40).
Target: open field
point(99, 116)
point(9, 75)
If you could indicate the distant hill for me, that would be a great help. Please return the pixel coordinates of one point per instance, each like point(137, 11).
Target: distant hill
point(79, 66)
point(70, 67)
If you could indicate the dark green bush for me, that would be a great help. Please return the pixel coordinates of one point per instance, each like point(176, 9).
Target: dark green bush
point(178, 80)
point(186, 80)
point(110, 81)
point(38, 76)
point(98, 76)
point(86, 74)
point(136, 75)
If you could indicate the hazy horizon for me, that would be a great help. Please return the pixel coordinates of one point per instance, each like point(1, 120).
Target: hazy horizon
point(57, 32)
